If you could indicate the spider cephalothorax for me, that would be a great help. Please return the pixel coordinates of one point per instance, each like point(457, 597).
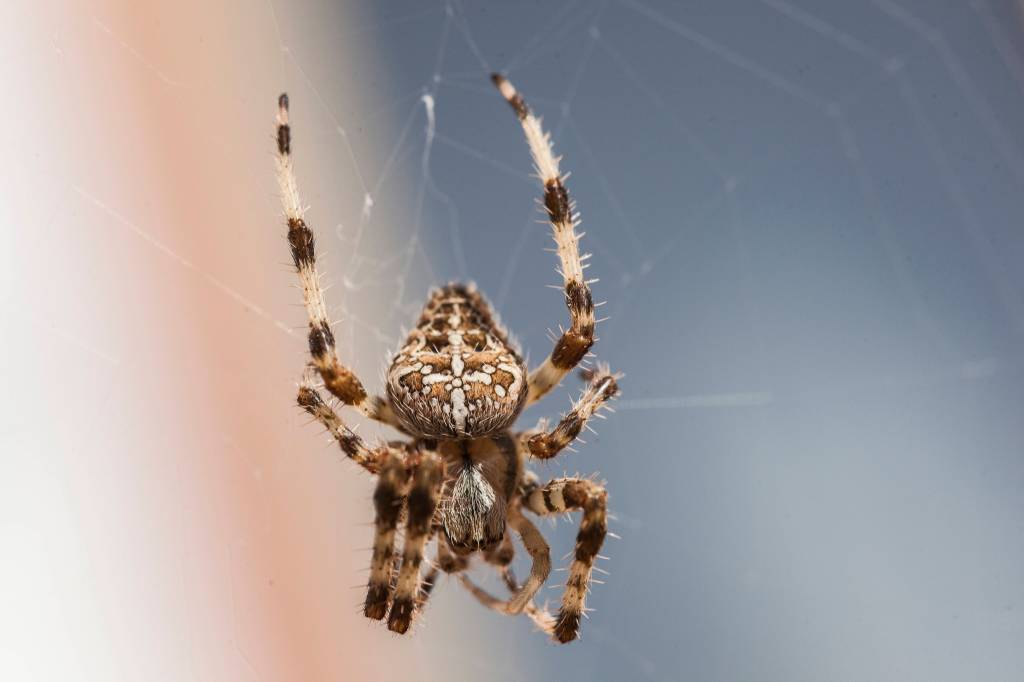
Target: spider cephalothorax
point(457, 376)
point(455, 387)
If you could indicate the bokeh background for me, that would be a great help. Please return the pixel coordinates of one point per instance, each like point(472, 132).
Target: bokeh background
point(806, 218)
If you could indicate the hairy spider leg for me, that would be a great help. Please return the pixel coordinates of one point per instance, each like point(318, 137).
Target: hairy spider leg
point(575, 494)
point(337, 378)
point(602, 387)
point(387, 500)
point(575, 342)
point(421, 502)
point(310, 400)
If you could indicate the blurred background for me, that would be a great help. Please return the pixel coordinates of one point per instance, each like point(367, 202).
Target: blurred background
point(806, 218)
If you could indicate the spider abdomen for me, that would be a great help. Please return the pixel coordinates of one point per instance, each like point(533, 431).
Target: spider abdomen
point(457, 376)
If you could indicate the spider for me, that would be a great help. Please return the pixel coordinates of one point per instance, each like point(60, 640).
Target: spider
point(455, 388)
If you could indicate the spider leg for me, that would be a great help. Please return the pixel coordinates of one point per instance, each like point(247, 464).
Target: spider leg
point(483, 596)
point(421, 502)
point(539, 552)
point(429, 581)
point(602, 387)
point(426, 587)
point(445, 562)
point(501, 558)
point(337, 378)
point(576, 341)
point(571, 494)
point(387, 500)
point(310, 400)
point(540, 615)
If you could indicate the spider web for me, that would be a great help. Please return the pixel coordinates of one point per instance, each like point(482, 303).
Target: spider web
point(601, 91)
point(666, 117)
point(805, 219)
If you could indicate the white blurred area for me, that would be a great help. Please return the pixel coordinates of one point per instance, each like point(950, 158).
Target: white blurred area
point(165, 512)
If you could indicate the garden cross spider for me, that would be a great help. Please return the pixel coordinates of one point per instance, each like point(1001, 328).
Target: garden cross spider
point(455, 388)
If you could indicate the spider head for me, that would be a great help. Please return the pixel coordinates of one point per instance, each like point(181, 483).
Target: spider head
point(458, 393)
